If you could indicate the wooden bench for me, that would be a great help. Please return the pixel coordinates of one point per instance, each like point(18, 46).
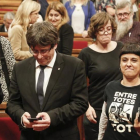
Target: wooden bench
point(8, 6)
point(11, 6)
point(77, 37)
point(5, 34)
point(2, 110)
point(4, 115)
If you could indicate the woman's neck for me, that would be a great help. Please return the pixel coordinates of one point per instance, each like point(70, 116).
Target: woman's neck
point(78, 2)
point(103, 48)
point(129, 82)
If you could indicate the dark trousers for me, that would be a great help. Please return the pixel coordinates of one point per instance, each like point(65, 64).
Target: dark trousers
point(91, 129)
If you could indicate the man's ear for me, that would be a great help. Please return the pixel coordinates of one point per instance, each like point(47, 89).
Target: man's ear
point(132, 14)
point(55, 46)
point(3, 21)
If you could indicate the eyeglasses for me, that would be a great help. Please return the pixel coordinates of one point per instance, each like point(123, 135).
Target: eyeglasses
point(125, 14)
point(102, 31)
point(42, 52)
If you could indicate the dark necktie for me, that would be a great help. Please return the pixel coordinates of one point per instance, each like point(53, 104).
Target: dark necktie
point(40, 86)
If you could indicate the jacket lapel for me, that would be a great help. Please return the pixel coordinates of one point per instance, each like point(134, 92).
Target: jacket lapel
point(31, 80)
point(56, 71)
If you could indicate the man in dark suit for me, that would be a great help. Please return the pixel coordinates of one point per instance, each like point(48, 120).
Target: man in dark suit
point(7, 20)
point(64, 89)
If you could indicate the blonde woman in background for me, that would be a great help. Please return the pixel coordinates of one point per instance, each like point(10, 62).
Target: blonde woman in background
point(80, 12)
point(26, 14)
point(57, 15)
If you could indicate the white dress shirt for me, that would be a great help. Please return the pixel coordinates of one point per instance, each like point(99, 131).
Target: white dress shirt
point(5, 29)
point(47, 73)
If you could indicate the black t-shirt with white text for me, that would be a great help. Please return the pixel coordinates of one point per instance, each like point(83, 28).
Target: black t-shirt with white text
point(122, 106)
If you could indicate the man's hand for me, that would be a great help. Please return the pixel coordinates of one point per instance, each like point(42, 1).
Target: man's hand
point(25, 120)
point(137, 123)
point(41, 125)
point(91, 114)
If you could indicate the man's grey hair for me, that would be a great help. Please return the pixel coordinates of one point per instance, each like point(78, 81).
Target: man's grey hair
point(9, 15)
point(123, 4)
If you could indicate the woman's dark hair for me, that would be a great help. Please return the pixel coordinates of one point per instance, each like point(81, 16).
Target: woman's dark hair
point(133, 48)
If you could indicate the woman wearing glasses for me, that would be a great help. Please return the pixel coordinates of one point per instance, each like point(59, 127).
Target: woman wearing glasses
point(127, 30)
point(102, 66)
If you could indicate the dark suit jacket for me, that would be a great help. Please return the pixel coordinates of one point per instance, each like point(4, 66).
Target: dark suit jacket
point(65, 99)
point(2, 28)
point(66, 36)
point(44, 4)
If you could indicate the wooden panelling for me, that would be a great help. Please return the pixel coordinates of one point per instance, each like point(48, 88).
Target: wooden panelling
point(5, 34)
point(2, 110)
point(10, 3)
point(78, 37)
point(75, 52)
point(7, 6)
point(79, 120)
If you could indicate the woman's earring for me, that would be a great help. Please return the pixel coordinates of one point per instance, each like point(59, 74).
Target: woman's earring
point(94, 39)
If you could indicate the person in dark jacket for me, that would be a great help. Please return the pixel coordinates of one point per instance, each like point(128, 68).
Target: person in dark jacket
point(57, 15)
point(7, 20)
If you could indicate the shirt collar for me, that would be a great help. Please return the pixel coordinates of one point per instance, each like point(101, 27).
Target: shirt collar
point(51, 64)
point(5, 29)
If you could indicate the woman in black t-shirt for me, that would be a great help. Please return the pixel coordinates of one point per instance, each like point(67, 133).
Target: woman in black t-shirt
point(122, 100)
point(102, 66)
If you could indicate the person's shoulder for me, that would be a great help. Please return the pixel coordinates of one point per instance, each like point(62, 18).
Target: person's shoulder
point(4, 41)
point(113, 83)
point(70, 59)
point(136, 24)
point(17, 27)
point(66, 26)
point(91, 2)
point(120, 44)
point(3, 38)
point(2, 27)
point(67, 3)
point(24, 62)
point(85, 50)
